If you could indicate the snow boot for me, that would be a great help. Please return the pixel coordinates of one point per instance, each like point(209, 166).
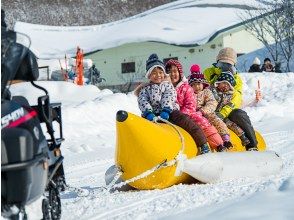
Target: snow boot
point(252, 149)
point(228, 145)
point(205, 148)
point(221, 148)
point(245, 141)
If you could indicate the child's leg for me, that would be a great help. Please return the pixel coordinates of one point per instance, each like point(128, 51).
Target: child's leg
point(238, 131)
point(234, 127)
point(220, 126)
point(185, 122)
point(213, 138)
point(241, 118)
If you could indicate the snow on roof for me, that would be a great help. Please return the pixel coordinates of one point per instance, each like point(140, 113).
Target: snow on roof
point(182, 22)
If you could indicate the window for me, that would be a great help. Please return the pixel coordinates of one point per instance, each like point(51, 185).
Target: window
point(167, 59)
point(128, 67)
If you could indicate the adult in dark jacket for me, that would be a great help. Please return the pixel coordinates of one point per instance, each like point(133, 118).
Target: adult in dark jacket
point(255, 67)
point(267, 65)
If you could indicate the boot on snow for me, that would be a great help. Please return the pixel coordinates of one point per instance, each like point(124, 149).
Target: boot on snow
point(228, 145)
point(221, 148)
point(205, 148)
point(252, 149)
point(245, 141)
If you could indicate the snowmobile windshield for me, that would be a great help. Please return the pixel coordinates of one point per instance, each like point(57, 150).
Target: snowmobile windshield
point(14, 48)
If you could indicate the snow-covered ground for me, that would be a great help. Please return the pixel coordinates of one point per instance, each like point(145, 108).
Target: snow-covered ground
point(89, 130)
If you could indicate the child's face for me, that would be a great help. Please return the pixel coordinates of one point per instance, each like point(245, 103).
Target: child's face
point(157, 75)
point(223, 86)
point(174, 74)
point(197, 87)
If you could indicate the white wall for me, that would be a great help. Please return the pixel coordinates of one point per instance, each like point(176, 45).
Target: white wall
point(109, 61)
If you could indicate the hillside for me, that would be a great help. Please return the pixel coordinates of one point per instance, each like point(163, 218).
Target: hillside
point(74, 12)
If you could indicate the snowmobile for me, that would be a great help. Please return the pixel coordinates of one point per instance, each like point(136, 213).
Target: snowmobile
point(31, 163)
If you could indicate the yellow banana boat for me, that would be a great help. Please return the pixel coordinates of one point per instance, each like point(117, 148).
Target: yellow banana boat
point(141, 145)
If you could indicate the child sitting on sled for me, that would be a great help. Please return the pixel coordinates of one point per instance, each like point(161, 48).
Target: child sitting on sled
point(225, 62)
point(206, 104)
point(223, 92)
point(158, 98)
point(187, 103)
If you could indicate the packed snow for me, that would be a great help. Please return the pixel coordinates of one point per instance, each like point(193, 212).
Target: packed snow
point(182, 22)
point(88, 116)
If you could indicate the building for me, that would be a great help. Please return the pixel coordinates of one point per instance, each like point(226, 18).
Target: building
point(190, 31)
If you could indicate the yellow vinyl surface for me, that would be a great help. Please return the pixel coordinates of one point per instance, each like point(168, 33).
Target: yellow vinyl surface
point(141, 145)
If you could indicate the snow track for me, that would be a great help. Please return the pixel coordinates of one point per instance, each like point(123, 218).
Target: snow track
point(168, 202)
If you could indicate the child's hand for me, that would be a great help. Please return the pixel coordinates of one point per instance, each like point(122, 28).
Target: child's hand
point(258, 95)
point(150, 116)
point(165, 113)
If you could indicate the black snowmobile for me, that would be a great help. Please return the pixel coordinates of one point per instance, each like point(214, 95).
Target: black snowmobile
point(31, 164)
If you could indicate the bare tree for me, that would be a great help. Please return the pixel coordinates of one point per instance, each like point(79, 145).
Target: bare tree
point(272, 23)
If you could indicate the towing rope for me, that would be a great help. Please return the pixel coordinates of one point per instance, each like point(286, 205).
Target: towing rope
point(113, 185)
point(159, 166)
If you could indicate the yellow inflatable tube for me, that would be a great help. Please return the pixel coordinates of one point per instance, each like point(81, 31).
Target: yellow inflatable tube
point(141, 145)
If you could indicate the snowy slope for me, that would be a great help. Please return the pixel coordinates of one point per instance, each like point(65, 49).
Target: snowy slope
point(89, 130)
point(182, 22)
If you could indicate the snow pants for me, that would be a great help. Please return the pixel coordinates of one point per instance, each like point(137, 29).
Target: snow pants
point(218, 123)
point(234, 127)
point(241, 118)
point(184, 121)
point(213, 137)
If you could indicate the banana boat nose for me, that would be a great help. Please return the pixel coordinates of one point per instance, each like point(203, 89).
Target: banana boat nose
point(121, 116)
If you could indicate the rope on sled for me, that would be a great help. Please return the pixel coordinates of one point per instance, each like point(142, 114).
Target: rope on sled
point(113, 185)
point(163, 164)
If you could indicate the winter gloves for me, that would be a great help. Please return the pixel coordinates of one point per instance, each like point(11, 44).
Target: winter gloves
point(149, 115)
point(165, 113)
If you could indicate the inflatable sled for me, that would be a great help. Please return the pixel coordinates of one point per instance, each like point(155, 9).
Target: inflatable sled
point(142, 145)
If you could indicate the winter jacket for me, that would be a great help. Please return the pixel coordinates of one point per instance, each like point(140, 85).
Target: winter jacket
point(155, 97)
point(187, 103)
point(206, 102)
point(211, 74)
point(185, 97)
point(254, 68)
point(223, 99)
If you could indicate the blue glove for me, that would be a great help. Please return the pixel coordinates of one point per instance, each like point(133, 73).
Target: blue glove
point(165, 113)
point(149, 115)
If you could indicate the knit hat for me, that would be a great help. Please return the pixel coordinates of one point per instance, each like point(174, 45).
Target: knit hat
point(256, 61)
point(267, 59)
point(177, 64)
point(226, 77)
point(153, 62)
point(227, 55)
point(195, 68)
point(197, 78)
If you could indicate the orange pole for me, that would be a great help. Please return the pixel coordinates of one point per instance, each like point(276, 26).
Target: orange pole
point(258, 95)
point(79, 66)
point(66, 70)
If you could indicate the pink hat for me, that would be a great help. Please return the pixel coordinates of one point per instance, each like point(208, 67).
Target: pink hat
point(195, 68)
point(197, 78)
point(177, 64)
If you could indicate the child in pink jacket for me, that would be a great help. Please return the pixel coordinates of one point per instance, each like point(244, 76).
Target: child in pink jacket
point(207, 104)
point(187, 103)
